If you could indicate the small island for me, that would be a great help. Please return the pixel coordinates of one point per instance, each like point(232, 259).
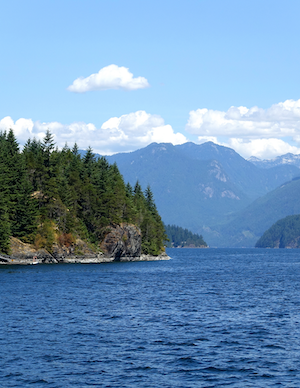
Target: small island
point(59, 207)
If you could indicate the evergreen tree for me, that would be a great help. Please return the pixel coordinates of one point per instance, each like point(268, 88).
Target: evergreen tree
point(20, 204)
point(89, 162)
point(75, 150)
point(4, 225)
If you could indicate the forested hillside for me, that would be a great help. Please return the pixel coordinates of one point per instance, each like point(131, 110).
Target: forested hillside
point(50, 196)
point(285, 233)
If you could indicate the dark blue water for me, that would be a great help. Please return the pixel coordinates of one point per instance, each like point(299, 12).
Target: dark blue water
point(206, 318)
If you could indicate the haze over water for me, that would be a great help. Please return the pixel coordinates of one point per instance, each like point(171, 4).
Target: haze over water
point(206, 318)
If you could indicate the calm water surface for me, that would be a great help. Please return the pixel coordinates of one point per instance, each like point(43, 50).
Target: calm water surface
point(206, 318)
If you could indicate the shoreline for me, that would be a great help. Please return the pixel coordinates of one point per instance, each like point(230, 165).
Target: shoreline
point(88, 259)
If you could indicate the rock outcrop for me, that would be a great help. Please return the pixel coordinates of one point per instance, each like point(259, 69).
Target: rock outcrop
point(23, 253)
point(122, 241)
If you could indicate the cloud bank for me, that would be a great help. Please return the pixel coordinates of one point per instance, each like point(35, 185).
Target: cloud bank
point(255, 131)
point(264, 133)
point(109, 77)
point(118, 134)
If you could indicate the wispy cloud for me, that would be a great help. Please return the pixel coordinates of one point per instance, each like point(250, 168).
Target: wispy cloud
point(109, 77)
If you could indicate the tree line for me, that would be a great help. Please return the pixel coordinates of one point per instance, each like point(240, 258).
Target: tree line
point(46, 192)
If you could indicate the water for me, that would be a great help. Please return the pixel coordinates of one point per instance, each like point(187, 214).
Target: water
point(206, 318)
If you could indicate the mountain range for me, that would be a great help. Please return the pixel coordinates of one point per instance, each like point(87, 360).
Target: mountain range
point(209, 189)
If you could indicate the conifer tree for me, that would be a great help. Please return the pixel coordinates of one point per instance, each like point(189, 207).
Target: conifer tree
point(20, 204)
point(153, 230)
point(4, 189)
point(4, 226)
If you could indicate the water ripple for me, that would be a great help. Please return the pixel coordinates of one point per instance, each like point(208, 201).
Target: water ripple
point(206, 318)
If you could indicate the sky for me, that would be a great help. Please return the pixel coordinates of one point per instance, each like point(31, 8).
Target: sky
point(118, 75)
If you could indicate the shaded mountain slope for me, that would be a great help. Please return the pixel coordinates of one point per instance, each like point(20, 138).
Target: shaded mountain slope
point(249, 178)
point(250, 224)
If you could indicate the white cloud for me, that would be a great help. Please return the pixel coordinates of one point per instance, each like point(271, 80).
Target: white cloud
point(22, 128)
point(264, 133)
point(262, 148)
point(109, 77)
point(118, 134)
point(138, 129)
point(280, 120)
point(204, 139)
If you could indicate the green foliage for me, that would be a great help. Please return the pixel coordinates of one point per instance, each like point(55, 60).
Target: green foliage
point(284, 233)
point(16, 190)
point(4, 226)
point(146, 216)
point(179, 237)
point(45, 237)
point(67, 195)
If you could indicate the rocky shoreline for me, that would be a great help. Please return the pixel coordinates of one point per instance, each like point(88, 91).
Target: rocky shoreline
point(121, 243)
point(88, 259)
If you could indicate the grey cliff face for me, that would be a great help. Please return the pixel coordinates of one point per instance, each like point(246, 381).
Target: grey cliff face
point(122, 241)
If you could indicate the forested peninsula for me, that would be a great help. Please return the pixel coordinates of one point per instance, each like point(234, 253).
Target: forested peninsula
point(56, 206)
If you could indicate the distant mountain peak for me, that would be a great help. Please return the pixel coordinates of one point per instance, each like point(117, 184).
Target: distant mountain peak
point(158, 147)
point(286, 159)
point(254, 159)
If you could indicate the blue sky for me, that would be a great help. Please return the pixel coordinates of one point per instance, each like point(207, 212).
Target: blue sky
point(226, 71)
